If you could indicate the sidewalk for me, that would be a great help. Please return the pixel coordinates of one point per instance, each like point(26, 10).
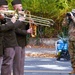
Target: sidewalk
point(40, 52)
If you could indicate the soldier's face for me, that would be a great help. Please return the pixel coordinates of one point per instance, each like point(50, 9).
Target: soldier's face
point(18, 7)
point(4, 7)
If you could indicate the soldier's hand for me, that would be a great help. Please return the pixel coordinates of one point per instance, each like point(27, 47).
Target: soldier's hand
point(1, 16)
point(13, 19)
point(30, 30)
point(21, 18)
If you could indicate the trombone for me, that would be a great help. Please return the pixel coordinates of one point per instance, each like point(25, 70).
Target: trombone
point(28, 18)
point(38, 20)
point(9, 12)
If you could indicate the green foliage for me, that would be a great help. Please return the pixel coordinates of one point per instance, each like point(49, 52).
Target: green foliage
point(49, 32)
point(54, 9)
point(9, 4)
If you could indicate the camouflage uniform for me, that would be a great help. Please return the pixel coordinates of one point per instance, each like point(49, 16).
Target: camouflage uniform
point(72, 52)
point(71, 33)
point(72, 43)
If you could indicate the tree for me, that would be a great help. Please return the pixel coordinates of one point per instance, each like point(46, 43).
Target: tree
point(53, 9)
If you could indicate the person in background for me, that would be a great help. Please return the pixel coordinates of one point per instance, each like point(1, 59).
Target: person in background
point(21, 33)
point(11, 49)
point(69, 21)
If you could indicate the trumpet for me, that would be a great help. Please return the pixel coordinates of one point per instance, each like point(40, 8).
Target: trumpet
point(37, 20)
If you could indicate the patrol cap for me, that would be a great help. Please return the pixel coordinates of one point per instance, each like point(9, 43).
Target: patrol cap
point(73, 10)
point(3, 2)
point(16, 2)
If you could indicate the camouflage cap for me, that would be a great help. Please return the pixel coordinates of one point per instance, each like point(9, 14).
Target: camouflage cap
point(14, 2)
point(3, 2)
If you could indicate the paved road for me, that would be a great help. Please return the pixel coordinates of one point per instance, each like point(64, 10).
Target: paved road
point(40, 50)
point(45, 66)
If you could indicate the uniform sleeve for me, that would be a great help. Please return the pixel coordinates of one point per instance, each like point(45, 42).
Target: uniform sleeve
point(6, 26)
point(10, 25)
point(23, 31)
point(18, 23)
point(20, 31)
